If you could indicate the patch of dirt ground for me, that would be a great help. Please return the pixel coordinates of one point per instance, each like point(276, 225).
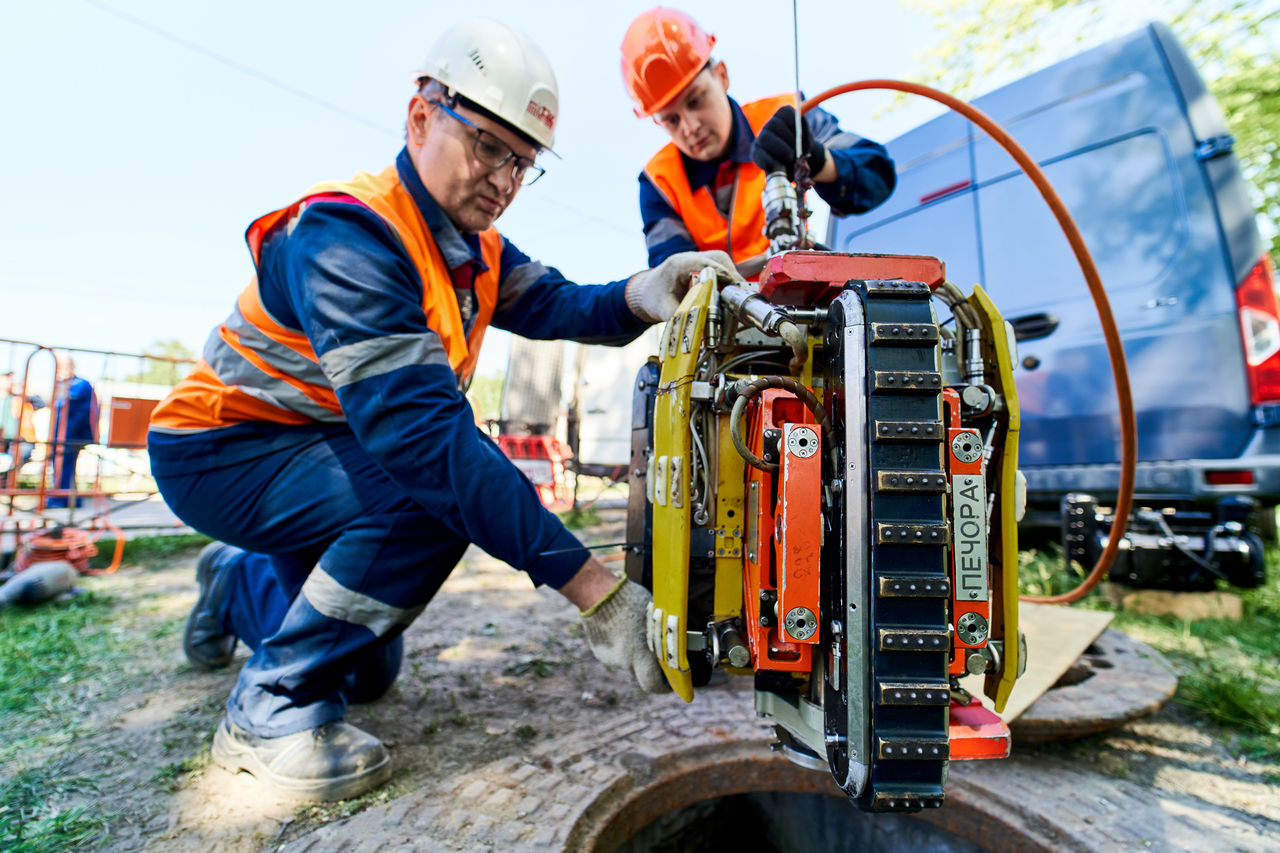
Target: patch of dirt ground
point(492, 668)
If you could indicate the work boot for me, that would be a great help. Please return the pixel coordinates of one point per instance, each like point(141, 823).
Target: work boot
point(334, 761)
point(206, 644)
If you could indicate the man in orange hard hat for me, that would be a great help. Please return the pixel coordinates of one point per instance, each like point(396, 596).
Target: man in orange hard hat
point(702, 191)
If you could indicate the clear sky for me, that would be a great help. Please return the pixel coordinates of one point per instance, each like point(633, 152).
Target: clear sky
point(140, 137)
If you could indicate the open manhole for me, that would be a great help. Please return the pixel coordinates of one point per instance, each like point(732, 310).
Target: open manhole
point(736, 795)
point(782, 822)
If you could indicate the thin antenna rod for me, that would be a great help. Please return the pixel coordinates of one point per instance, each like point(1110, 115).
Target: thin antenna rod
point(802, 176)
point(795, 35)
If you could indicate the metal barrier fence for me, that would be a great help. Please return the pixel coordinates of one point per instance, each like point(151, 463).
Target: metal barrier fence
point(52, 416)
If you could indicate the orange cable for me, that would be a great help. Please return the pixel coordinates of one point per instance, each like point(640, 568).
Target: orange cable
point(1115, 350)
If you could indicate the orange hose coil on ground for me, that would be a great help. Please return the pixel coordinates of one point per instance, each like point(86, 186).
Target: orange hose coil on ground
point(69, 544)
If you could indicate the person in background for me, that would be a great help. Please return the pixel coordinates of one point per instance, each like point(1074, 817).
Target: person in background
point(702, 190)
point(17, 435)
point(75, 424)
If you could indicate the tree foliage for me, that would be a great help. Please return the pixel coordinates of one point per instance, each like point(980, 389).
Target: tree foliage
point(1234, 44)
point(160, 371)
point(485, 395)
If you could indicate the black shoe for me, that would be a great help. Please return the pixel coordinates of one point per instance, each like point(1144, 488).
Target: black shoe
point(206, 645)
point(334, 761)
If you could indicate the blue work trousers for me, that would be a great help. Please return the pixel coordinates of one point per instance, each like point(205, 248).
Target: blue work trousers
point(65, 457)
point(339, 535)
point(254, 605)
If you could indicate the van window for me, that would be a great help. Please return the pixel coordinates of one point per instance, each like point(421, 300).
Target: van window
point(1124, 197)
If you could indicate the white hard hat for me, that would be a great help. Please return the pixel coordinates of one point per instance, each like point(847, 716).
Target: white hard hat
point(500, 69)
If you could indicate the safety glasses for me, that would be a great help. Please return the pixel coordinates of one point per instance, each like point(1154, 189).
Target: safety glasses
point(494, 153)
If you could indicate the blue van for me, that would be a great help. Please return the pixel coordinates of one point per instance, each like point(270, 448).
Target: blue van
point(1138, 149)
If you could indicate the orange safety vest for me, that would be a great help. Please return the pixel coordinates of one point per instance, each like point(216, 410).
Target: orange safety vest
point(23, 417)
point(255, 369)
point(709, 229)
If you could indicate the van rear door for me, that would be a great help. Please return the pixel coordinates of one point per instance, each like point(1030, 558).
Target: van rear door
point(932, 211)
point(1111, 129)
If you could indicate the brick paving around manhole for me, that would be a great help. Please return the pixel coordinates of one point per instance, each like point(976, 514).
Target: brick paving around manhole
point(587, 790)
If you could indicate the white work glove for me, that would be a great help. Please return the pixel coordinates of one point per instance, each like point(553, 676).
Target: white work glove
point(654, 295)
point(615, 628)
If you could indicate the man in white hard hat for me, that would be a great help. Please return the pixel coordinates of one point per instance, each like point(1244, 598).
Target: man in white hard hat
point(324, 441)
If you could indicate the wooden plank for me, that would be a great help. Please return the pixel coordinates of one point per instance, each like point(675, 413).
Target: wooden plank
point(1119, 679)
point(1056, 637)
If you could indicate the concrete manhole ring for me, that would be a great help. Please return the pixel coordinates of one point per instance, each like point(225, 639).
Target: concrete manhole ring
point(592, 790)
point(1118, 679)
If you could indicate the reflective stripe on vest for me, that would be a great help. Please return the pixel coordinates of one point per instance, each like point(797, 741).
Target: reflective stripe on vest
point(708, 228)
point(256, 369)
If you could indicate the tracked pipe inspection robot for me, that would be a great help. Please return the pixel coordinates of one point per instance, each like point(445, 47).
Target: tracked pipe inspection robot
point(824, 484)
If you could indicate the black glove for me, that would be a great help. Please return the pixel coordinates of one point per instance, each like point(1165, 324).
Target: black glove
point(775, 147)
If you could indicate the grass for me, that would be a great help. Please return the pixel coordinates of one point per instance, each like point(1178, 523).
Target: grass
point(1229, 671)
point(32, 822)
point(175, 774)
point(580, 517)
point(309, 816)
point(148, 551)
point(1042, 571)
point(536, 666)
point(49, 647)
point(58, 660)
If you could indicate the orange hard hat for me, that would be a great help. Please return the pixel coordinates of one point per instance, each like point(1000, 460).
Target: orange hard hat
point(662, 51)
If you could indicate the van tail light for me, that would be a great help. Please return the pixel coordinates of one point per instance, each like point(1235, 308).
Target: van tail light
point(1228, 477)
point(1260, 325)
